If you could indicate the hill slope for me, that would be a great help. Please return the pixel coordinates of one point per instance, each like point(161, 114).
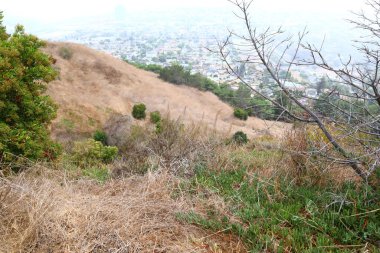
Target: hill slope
point(93, 85)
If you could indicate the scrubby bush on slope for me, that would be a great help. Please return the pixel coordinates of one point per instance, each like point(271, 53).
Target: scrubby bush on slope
point(241, 114)
point(240, 138)
point(138, 111)
point(155, 117)
point(91, 152)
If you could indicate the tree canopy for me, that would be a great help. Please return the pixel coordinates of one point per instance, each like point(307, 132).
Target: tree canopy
point(25, 110)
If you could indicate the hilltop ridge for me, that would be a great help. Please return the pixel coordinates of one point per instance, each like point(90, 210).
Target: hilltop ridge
point(93, 85)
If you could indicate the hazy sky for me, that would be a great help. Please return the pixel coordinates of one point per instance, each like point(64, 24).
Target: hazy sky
point(58, 10)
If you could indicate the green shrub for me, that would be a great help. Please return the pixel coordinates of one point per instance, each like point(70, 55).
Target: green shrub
point(66, 53)
point(91, 152)
point(100, 174)
point(148, 67)
point(175, 74)
point(158, 127)
point(100, 136)
point(138, 111)
point(241, 114)
point(155, 117)
point(240, 138)
point(240, 98)
point(25, 109)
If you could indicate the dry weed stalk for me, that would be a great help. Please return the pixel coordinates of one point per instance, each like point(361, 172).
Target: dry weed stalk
point(304, 161)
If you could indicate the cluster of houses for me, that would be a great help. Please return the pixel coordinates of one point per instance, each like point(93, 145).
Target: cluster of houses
point(192, 52)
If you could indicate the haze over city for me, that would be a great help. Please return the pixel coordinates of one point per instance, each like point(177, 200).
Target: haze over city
point(170, 31)
point(52, 11)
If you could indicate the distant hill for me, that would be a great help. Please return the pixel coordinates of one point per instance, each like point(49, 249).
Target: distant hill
point(92, 86)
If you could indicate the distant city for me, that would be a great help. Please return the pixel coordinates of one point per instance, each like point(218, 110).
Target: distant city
point(186, 37)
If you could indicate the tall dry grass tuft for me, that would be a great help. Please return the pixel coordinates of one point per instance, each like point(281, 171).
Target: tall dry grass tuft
point(307, 162)
point(296, 143)
point(51, 213)
point(173, 147)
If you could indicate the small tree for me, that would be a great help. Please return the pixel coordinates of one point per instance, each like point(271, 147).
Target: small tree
point(175, 74)
point(100, 136)
point(25, 110)
point(351, 134)
point(138, 111)
point(321, 85)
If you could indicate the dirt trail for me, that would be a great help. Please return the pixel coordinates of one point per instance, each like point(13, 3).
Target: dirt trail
point(92, 85)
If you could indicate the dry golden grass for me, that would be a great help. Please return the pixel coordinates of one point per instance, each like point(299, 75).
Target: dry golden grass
point(44, 211)
point(94, 85)
point(305, 159)
point(58, 210)
point(177, 148)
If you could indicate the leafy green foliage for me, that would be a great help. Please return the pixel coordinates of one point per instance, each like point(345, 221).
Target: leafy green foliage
point(278, 216)
point(159, 127)
point(150, 67)
point(138, 111)
point(240, 138)
point(155, 117)
point(242, 97)
point(262, 108)
point(90, 153)
point(99, 174)
point(241, 114)
point(100, 136)
point(25, 112)
point(175, 74)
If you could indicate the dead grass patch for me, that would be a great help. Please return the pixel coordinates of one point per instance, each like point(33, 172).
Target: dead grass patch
point(51, 213)
point(109, 72)
point(177, 148)
point(307, 162)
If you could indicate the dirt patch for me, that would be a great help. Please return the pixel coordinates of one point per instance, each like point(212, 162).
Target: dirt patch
point(110, 73)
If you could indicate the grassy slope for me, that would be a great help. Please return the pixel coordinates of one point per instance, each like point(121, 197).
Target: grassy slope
point(185, 190)
point(278, 216)
point(93, 85)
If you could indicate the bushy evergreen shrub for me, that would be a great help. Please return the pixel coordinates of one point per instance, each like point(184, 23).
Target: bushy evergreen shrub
point(25, 110)
point(155, 117)
point(100, 136)
point(91, 152)
point(241, 114)
point(138, 111)
point(240, 138)
point(175, 74)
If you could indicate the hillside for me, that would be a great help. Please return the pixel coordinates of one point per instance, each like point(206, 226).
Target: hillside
point(179, 189)
point(93, 85)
